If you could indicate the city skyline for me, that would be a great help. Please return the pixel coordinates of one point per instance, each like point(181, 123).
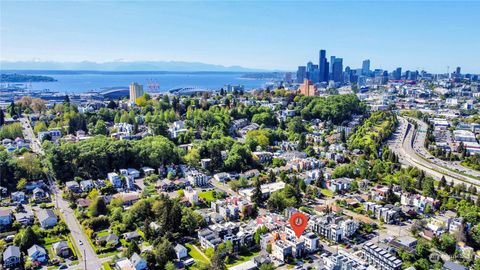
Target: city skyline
point(260, 35)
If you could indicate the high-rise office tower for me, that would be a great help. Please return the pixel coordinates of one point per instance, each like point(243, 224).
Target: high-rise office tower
point(366, 67)
point(323, 66)
point(301, 74)
point(397, 74)
point(348, 74)
point(136, 91)
point(287, 77)
point(337, 70)
point(385, 77)
point(310, 66)
point(312, 72)
point(327, 72)
point(458, 71)
point(332, 60)
point(314, 76)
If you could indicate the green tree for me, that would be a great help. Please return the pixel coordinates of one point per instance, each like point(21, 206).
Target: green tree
point(31, 165)
point(267, 266)
point(100, 128)
point(422, 264)
point(21, 184)
point(447, 243)
point(216, 263)
point(164, 253)
point(39, 127)
point(191, 221)
point(257, 195)
point(27, 238)
point(170, 266)
point(422, 249)
point(132, 248)
point(97, 207)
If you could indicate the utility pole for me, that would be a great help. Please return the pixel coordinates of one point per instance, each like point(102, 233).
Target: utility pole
point(85, 259)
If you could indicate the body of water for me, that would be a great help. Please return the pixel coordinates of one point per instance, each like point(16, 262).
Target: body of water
point(83, 82)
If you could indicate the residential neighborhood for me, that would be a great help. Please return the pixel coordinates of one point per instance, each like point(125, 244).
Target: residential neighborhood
point(386, 175)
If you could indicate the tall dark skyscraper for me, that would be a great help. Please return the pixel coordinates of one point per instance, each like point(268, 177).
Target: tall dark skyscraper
point(348, 74)
point(323, 66)
point(301, 73)
point(366, 67)
point(332, 60)
point(397, 74)
point(337, 70)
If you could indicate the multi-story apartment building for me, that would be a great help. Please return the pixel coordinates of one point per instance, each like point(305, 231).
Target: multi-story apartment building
point(344, 261)
point(197, 179)
point(380, 258)
point(332, 227)
point(388, 213)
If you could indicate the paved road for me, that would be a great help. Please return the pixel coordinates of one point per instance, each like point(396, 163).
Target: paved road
point(29, 135)
point(88, 254)
point(79, 237)
point(401, 143)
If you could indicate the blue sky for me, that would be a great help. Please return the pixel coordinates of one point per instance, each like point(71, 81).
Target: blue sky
point(259, 34)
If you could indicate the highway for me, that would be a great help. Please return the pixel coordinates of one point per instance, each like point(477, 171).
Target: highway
point(405, 145)
point(419, 146)
point(88, 259)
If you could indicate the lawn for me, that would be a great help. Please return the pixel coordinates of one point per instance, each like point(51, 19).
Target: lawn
point(49, 241)
point(108, 254)
point(74, 248)
point(207, 196)
point(123, 242)
point(326, 192)
point(243, 258)
point(102, 233)
point(106, 266)
point(195, 254)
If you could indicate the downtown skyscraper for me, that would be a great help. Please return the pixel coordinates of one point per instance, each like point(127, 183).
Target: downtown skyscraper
point(366, 67)
point(337, 70)
point(323, 66)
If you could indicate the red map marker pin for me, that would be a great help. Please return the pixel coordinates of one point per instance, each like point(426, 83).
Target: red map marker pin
point(298, 221)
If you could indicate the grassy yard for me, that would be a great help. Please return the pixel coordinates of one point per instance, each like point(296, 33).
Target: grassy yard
point(207, 196)
point(102, 233)
point(74, 248)
point(241, 259)
point(123, 242)
point(195, 254)
point(49, 241)
point(108, 254)
point(106, 266)
point(326, 192)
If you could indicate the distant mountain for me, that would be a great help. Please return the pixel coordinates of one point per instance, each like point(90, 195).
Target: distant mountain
point(120, 66)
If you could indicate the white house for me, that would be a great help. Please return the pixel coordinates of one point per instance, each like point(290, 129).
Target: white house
point(37, 253)
point(87, 185)
point(191, 195)
point(181, 251)
point(11, 256)
point(5, 217)
point(138, 262)
point(47, 218)
point(114, 179)
point(61, 248)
